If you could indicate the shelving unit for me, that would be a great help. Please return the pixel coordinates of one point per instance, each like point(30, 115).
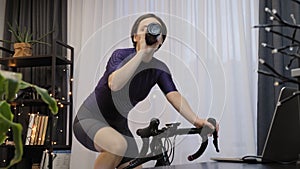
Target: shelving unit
point(64, 99)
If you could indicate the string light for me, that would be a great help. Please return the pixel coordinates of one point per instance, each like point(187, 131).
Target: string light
point(276, 83)
point(268, 29)
point(274, 51)
point(267, 9)
point(264, 44)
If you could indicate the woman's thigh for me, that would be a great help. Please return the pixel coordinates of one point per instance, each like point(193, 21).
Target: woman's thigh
point(109, 140)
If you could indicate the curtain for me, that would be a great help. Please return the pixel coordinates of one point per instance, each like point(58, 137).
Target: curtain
point(40, 17)
point(211, 50)
point(279, 62)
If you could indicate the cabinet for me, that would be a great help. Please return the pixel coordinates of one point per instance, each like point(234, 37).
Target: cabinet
point(57, 76)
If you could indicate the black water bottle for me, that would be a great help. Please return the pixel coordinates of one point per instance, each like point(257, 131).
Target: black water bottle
point(153, 31)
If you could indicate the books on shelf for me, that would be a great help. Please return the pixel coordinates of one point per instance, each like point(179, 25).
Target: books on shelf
point(60, 159)
point(36, 130)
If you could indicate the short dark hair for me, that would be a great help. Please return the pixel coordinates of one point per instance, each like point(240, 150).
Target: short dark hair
point(139, 20)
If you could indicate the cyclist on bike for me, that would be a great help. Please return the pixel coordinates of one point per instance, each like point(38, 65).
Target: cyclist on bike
point(101, 123)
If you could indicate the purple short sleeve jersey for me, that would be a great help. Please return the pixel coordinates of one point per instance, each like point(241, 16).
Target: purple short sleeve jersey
point(116, 105)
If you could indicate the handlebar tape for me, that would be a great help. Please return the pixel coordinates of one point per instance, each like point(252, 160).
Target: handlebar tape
point(199, 152)
point(205, 131)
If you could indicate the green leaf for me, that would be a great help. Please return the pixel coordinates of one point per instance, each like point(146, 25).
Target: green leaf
point(24, 85)
point(5, 112)
point(2, 86)
point(12, 83)
point(14, 32)
point(52, 104)
point(23, 35)
point(17, 135)
point(7, 41)
point(6, 121)
point(46, 34)
point(33, 42)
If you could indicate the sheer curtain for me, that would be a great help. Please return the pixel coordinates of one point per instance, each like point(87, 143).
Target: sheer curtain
point(211, 50)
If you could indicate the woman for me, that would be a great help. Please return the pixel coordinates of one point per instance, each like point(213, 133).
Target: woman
point(101, 122)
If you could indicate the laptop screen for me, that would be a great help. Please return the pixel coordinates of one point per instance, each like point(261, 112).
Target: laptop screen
point(283, 139)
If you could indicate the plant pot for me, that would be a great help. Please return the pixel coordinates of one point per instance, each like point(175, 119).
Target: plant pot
point(22, 49)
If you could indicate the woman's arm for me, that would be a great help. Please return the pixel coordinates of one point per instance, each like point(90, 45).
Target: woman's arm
point(182, 106)
point(120, 77)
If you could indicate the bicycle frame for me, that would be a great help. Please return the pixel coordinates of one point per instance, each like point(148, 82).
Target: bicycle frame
point(159, 152)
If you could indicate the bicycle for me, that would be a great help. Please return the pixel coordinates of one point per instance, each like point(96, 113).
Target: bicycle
point(160, 142)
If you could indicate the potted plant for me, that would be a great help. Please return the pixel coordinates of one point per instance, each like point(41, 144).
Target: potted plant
point(23, 40)
point(10, 84)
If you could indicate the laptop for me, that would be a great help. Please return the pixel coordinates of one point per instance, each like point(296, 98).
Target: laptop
point(283, 140)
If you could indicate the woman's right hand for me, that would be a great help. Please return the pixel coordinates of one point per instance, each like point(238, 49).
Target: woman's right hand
point(146, 50)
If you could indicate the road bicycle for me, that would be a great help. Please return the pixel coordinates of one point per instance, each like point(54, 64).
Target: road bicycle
point(161, 147)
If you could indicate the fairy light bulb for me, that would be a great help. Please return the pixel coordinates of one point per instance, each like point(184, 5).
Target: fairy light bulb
point(267, 9)
point(275, 51)
point(287, 68)
point(276, 83)
point(279, 104)
point(261, 61)
point(264, 44)
point(274, 11)
point(268, 29)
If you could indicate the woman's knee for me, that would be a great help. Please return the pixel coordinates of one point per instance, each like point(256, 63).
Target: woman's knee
point(109, 140)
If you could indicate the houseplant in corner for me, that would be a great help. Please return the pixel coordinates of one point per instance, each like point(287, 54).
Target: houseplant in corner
point(10, 84)
point(23, 40)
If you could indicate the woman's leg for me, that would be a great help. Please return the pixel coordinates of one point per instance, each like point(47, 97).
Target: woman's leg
point(111, 145)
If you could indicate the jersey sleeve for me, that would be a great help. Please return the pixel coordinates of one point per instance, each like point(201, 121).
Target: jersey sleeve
point(165, 82)
point(114, 62)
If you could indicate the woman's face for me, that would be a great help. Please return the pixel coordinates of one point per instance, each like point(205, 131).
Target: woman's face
point(142, 29)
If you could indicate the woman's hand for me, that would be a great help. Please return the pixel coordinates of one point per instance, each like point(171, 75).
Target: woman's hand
point(203, 122)
point(147, 51)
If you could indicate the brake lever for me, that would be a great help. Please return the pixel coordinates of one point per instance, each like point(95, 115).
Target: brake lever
point(151, 130)
point(204, 134)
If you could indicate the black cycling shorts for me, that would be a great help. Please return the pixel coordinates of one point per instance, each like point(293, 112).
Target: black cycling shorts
point(89, 120)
